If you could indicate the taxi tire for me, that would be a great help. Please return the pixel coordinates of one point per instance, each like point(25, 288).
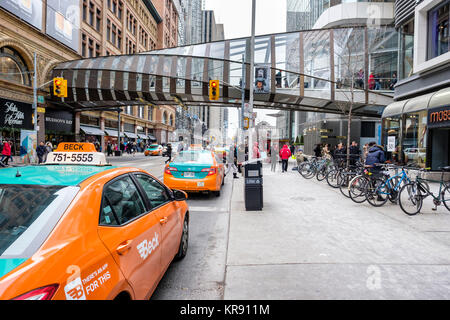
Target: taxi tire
point(216, 193)
point(184, 240)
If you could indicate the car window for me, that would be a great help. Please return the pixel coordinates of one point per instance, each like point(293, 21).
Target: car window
point(121, 202)
point(28, 214)
point(156, 193)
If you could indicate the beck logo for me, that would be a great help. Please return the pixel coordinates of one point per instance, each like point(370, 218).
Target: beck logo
point(74, 290)
point(145, 248)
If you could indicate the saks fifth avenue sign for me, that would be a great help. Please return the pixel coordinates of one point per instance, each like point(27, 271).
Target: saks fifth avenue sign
point(14, 114)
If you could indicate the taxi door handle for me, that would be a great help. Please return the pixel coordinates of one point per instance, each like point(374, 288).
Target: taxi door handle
point(124, 247)
point(163, 220)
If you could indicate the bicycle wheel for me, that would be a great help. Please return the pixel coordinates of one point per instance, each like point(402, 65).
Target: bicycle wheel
point(446, 197)
point(321, 174)
point(343, 181)
point(331, 178)
point(377, 192)
point(357, 189)
point(308, 172)
point(393, 190)
point(410, 199)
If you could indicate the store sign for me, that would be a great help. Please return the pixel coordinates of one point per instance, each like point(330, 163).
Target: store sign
point(439, 117)
point(58, 121)
point(14, 114)
point(391, 143)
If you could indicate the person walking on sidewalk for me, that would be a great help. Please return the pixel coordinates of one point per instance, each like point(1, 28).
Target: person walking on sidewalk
point(285, 154)
point(6, 153)
point(41, 152)
point(273, 157)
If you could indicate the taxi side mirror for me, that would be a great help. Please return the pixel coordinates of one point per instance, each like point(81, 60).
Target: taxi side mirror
point(179, 195)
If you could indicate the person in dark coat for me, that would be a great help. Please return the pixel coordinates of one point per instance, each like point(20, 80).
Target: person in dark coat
point(318, 151)
point(375, 156)
point(355, 153)
point(41, 151)
point(169, 152)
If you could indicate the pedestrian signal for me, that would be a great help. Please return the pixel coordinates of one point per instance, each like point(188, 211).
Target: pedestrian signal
point(60, 87)
point(214, 90)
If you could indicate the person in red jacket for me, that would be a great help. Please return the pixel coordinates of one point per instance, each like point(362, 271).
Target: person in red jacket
point(6, 152)
point(285, 154)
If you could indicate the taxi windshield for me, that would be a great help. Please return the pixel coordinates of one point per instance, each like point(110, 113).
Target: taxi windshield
point(194, 157)
point(28, 213)
point(153, 146)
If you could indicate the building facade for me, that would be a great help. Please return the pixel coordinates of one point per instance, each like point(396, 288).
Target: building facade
point(86, 28)
point(417, 125)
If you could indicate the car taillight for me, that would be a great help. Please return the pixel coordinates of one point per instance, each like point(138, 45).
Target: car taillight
point(170, 169)
point(211, 171)
point(44, 293)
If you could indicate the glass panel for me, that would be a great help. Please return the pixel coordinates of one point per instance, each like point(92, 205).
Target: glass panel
point(406, 51)
point(262, 50)
point(197, 71)
point(317, 60)
point(237, 49)
point(383, 55)
point(215, 70)
point(10, 70)
point(349, 58)
point(438, 30)
point(217, 50)
point(391, 130)
point(415, 138)
point(167, 67)
point(181, 72)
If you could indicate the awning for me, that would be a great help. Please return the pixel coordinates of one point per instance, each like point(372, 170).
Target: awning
point(150, 137)
point(417, 104)
point(92, 131)
point(394, 109)
point(142, 136)
point(440, 99)
point(113, 133)
point(420, 103)
point(131, 135)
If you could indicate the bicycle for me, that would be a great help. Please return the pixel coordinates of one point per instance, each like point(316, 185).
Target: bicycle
point(412, 194)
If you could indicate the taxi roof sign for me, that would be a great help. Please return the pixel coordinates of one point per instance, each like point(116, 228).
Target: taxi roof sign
point(76, 147)
point(74, 153)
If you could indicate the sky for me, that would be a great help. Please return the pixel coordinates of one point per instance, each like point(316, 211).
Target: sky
point(236, 15)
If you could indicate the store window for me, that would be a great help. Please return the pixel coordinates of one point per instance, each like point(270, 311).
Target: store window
point(13, 67)
point(415, 138)
point(406, 50)
point(438, 37)
point(391, 136)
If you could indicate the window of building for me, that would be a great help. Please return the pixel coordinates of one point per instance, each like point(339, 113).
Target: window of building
point(83, 45)
point(415, 138)
point(114, 34)
point(99, 20)
point(438, 30)
point(120, 10)
point(91, 13)
point(13, 67)
point(150, 113)
point(406, 51)
point(84, 10)
point(91, 48)
point(98, 51)
point(367, 129)
point(108, 30)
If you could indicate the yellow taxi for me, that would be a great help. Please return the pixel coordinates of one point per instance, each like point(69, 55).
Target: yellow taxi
point(195, 171)
point(77, 228)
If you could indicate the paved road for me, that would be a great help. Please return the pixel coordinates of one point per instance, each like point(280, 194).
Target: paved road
point(200, 276)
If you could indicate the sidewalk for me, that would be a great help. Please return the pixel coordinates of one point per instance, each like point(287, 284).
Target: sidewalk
point(310, 242)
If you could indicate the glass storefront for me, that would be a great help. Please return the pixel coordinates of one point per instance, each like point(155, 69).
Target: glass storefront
point(438, 30)
point(415, 138)
point(392, 133)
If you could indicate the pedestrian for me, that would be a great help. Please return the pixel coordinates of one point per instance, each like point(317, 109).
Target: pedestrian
point(41, 151)
point(109, 149)
point(48, 149)
point(256, 152)
point(361, 78)
point(6, 153)
point(371, 82)
point(375, 157)
point(355, 153)
point(231, 161)
point(292, 148)
point(393, 82)
point(326, 153)
point(339, 154)
point(365, 151)
point(299, 157)
point(278, 79)
point(285, 154)
point(169, 153)
point(317, 151)
point(273, 157)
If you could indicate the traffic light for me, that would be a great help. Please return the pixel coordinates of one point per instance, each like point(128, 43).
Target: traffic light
point(214, 90)
point(60, 87)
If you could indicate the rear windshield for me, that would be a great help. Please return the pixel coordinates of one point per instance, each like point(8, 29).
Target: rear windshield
point(154, 146)
point(28, 214)
point(194, 157)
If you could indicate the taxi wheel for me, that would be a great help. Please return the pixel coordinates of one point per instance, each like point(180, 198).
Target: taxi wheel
point(184, 241)
point(216, 193)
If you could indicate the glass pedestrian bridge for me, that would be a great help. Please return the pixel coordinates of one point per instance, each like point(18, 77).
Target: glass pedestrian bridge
point(307, 71)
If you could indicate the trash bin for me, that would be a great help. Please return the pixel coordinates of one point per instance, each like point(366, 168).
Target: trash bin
point(118, 153)
point(254, 200)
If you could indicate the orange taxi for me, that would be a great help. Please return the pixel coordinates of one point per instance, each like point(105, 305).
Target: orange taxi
point(195, 171)
point(154, 150)
point(78, 229)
